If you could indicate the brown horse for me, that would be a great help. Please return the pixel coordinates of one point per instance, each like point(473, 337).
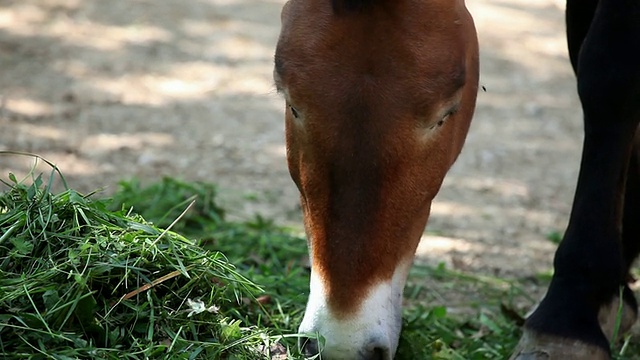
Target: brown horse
point(379, 97)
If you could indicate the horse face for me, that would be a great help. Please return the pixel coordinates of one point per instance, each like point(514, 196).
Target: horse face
point(378, 103)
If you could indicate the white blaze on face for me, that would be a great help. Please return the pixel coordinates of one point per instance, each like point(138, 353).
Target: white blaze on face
point(376, 324)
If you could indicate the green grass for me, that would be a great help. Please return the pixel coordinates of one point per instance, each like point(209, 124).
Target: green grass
point(80, 281)
point(85, 277)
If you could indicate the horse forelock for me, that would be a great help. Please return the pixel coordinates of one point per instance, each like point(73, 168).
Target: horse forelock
point(351, 5)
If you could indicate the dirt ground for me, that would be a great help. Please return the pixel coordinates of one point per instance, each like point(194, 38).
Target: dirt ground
point(149, 88)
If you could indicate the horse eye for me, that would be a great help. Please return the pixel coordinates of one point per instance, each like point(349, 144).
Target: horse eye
point(294, 112)
point(444, 118)
point(439, 123)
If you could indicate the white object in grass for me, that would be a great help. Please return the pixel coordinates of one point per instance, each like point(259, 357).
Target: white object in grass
point(198, 307)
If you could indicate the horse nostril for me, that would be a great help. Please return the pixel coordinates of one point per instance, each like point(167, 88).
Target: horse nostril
point(375, 353)
point(308, 346)
point(378, 354)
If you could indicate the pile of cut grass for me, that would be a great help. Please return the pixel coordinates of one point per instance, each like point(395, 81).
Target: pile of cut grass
point(269, 255)
point(80, 281)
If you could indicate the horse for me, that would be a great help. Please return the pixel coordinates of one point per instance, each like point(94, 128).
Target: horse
point(379, 96)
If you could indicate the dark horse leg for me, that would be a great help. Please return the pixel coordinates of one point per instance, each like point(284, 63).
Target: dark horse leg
point(631, 219)
point(592, 262)
point(630, 235)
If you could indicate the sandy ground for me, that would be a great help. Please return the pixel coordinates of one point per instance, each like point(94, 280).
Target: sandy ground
point(149, 88)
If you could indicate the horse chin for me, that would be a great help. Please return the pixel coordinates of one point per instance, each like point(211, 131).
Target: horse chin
point(370, 333)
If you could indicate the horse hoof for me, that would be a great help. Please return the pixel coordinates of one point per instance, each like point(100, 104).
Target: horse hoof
point(609, 313)
point(535, 346)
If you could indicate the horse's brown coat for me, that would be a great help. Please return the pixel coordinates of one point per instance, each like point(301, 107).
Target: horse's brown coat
point(379, 102)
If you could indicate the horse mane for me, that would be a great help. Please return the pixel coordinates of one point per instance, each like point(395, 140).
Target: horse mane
point(351, 5)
